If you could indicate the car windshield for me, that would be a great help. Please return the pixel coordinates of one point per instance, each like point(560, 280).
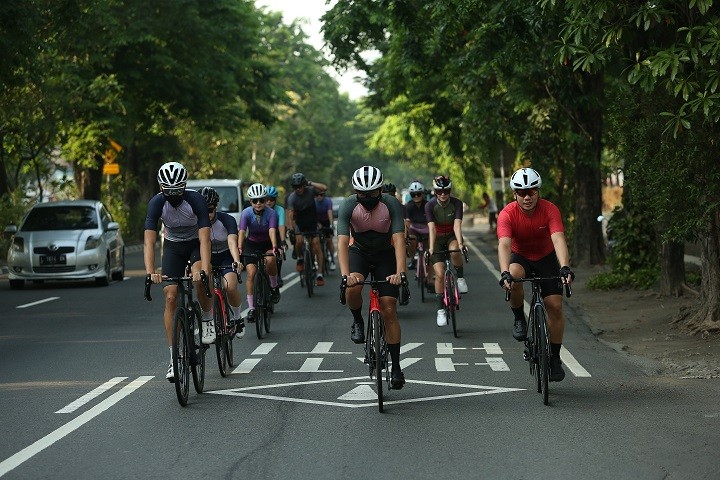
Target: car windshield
point(228, 199)
point(60, 218)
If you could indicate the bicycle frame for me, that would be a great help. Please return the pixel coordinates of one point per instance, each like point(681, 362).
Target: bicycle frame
point(309, 274)
point(537, 343)
point(264, 306)
point(224, 332)
point(451, 295)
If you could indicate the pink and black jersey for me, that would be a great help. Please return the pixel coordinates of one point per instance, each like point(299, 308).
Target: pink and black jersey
point(371, 230)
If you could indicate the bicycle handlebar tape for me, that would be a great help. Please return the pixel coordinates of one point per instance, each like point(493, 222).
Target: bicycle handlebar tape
point(148, 282)
point(343, 286)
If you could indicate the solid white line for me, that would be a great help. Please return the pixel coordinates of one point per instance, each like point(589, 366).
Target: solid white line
point(49, 299)
point(90, 395)
point(565, 355)
point(30, 451)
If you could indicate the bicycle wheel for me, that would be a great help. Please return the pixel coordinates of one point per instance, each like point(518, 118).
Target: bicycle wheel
point(544, 352)
point(378, 341)
point(370, 349)
point(420, 272)
point(198, 366)
point(260, 312)
point(268, 310)
point(451, 293)
point(181, 356)
point(220, 315)
point(535, 349)
point(309, 272)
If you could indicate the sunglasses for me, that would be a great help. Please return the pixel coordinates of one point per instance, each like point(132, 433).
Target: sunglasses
point(416, 194)
point(442, 191)
point(258, 200)
point(526, 192)
point(173, 192)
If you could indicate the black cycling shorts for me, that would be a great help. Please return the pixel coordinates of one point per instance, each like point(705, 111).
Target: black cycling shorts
point(220, 259)
point(257, 248)
point(384, 261)
point(175, 256)
point(548, 266)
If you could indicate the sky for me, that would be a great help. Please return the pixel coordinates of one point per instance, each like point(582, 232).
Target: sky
point(311, 11)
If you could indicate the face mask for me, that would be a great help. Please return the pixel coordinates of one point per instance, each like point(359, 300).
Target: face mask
point(368, 202)
point(174, 200)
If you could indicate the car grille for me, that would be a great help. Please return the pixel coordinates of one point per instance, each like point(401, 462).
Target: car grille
point(60, 269)
point(47, 251)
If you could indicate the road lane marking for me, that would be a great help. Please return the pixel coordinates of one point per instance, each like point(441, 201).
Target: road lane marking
point(49, 439)
point(92, 394)
point(310, 365)
point(264, 348)
point(565, 355)
point(247, 365)
point(45, 300)
point(320, 349)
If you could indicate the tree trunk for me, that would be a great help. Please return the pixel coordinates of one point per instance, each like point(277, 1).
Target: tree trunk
point(588, 243)
point(706, 318)
point(672, 268)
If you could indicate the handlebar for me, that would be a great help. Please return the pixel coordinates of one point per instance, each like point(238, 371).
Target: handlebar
point(568, 290)
point(405, 292)
point(233, 266)
point(203, 279)
point(444, 252)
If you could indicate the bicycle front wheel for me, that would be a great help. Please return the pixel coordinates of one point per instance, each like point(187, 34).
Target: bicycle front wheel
point(420, 271)
point(219, 316)
point(260, 310)
point(451, 292)
point(181, 356)
point(197, 347)
point(308, 271)
point(378, 353)
point(544, 352)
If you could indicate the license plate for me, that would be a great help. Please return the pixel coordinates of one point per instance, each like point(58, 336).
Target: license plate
point(52, 259)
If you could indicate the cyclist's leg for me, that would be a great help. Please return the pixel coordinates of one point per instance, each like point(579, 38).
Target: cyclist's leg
point(174, 259)
point(385, 266)
point(299, 246)
point(552, 291)
point(519, 268)
point(359, 267)
point(317, 250)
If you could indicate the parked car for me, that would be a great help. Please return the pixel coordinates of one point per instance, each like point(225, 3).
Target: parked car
point(66, 240)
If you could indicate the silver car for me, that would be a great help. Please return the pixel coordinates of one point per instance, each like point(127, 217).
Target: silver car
point(66, 240)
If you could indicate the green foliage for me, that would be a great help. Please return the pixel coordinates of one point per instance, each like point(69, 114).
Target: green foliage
point(633, 240)
point(643, 279)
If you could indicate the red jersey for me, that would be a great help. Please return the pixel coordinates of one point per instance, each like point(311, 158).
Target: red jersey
point(530, 234)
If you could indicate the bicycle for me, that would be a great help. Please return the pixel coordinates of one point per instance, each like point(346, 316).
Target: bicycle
point(421, 272)
point(225, 333)
point(264, 305)
point(537, 343)
point(325, 250)
point(451, 296)
point(376, 349)
point(188, 351)
point(309, 274)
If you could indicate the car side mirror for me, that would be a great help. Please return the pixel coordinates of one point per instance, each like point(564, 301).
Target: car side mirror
point(113, 226)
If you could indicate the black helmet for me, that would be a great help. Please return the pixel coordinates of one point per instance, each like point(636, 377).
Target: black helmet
point(389, 188)
point(298, 180)
point(211, 196)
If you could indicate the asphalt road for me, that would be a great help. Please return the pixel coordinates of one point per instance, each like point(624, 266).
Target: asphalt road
point(83, 395)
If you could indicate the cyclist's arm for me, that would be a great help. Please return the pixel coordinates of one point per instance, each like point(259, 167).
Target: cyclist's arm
point(241, 241)
point(290, 219)
point(504, 253)
point(561, 250)
point(150, 238)
point(398, 240)
point(272, 231)
point(457, 228)
point(205, 249)
point(317, 185)
point(232, 240)
point(431, 237)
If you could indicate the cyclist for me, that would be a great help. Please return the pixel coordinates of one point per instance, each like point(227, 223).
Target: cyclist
point(271, 201)
point(184, 215)
point(531, 241)
point(260, 225)
point(416, 225)
point(302, 217)
point(444, 215)
point(490, 204)
point(224, 244)
point(375, 221)
point(391, 190)
point(324, 209)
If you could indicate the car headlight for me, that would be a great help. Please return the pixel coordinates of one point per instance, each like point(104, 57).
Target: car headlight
point(92, 243)
point(18, 244)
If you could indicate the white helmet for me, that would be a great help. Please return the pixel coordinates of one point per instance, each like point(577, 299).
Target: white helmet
point(416, 187)
point(256, 190)
point(525, 178)
point(367, 178)
point(172, 175)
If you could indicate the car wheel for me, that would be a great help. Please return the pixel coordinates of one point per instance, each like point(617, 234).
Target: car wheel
point(120, 275)
point(104, 281)
point(17, 284)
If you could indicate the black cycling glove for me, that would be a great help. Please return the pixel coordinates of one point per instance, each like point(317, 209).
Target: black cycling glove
point(566, 272)
point(505, 277)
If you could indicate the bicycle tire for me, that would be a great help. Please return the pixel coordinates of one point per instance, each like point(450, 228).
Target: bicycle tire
point(259, 294)
point(544, 352)
point(181, 356)
point(219, 315)
point(370, 349)
point(269, 310)
point(451, 292)
point(198, 367)
point(375, 320)
point(309, 271)
point(420, 271)
point(229, 350)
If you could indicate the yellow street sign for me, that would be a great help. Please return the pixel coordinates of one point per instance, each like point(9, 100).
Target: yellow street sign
point(111, 169)
point(110, 155)
point(116, 146)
